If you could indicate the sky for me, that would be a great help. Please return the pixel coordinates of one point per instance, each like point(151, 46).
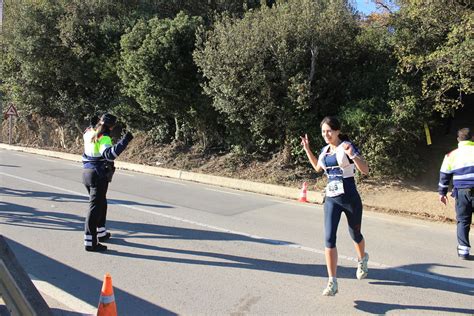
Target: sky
point(365, 6)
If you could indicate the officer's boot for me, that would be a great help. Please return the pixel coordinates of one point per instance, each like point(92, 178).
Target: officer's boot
point(91, 244)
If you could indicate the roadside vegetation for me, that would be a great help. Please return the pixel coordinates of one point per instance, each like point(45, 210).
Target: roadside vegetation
point(240, 79)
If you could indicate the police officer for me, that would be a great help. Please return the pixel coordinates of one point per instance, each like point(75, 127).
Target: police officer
point(98, 157)
point(459, 166)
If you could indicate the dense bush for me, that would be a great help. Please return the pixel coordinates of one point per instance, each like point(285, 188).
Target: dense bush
point(241, 75)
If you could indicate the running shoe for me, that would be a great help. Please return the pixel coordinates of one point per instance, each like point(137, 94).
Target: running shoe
point(331, 289)
point(362, 269)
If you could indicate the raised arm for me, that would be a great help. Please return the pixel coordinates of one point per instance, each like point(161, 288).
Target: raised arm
point(109, 151)
point(312, 158)
point(354, 154)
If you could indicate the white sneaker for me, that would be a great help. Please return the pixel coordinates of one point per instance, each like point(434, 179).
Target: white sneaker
point(331, 289)
point(362, 269)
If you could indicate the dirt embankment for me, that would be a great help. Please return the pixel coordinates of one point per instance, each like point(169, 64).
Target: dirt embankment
point(417, 198)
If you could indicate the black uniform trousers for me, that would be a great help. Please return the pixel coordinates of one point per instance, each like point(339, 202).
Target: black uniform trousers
point(464, 209)
point(97, 185)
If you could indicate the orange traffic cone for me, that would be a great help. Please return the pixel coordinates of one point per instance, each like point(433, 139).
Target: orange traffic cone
point(303, 193)
point(107, 300)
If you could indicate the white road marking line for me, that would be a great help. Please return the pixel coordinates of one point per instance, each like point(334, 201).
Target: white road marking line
point(58, 160)
point(270, 241)
point(43, 184)
point(44, 159)
point(77, 165)
point(125, 174)
point(63, 297)
point(221, 191)
point(391, 220)
point(296, 203)
point(169, 181)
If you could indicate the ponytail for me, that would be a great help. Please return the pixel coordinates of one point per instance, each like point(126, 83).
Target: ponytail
point(100, 129)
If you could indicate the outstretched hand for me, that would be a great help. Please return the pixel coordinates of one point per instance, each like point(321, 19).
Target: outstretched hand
point(305, 142)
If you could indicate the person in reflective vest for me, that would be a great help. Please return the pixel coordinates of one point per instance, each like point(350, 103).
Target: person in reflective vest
point(458, 165)
point(98, 157)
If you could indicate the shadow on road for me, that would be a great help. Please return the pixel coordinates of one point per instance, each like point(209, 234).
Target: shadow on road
point(228, 260)
point(11, 166)
point(408, 275)
point(383, 308)
point(63, 197)
point(25, 216)
point(382, 276)
point(20, 215)
point(51, 196)
point(396, 277)
point(153, 231)
point(79, 284)
point(131, 234)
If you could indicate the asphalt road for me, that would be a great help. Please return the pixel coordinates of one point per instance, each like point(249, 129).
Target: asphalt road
point(192, 249)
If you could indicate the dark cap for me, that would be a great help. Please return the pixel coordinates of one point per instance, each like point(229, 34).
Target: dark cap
point(464, 134)
point(109, 119)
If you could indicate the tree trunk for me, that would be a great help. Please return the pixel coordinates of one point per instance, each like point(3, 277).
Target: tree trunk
point(177, 129)
point(287, 150)
point(314, 55)
point(312, 73)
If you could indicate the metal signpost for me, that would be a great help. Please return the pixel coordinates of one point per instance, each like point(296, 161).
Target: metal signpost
point(10, 112)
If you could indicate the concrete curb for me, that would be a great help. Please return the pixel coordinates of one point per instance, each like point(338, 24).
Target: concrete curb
point(244, 185)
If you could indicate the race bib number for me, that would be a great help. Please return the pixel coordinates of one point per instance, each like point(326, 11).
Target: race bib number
point(335, 187)
point(335, 184)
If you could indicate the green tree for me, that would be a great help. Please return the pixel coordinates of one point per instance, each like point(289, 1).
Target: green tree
point(61, 56)
point(277, 70)
point(158, 72)
point(90, 31)
point(385, 112)
point(32, 53)
point(205, 9)
point(434, 42)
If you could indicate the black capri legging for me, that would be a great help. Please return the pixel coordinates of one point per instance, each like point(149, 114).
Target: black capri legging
point(349, 203)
